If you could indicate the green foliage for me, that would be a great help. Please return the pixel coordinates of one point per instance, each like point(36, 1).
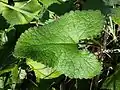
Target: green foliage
point(47, 3)
point(56, 44)
point(111, 2)
point(59, 44)
point(9, 80)
point(21, 13)
point(41, 71)
point(113, 82)
point(116, 15)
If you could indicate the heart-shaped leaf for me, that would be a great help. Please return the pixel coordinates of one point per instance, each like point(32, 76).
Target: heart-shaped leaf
point(56, 44)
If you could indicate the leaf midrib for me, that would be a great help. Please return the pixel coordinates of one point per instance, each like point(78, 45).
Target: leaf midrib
point(55, 43)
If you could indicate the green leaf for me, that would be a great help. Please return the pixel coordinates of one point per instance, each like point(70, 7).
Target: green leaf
point(116, 15)
point(14, 74)
point(113, 82)
point(21, 13)
point(56, 44)
point(111, 2)
point(47, 3)
point(6, 69)
point(11, 80)
point(1, 83)
point(41, 71)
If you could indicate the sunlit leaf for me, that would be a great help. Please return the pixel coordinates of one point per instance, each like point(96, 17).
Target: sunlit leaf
point(41, 71)
point(56, 44)
point(21, 13)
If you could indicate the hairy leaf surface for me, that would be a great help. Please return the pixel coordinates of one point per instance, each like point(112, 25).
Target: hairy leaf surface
point(56, 44)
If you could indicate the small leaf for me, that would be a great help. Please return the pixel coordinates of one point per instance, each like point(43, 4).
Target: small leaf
point(1, 83)
point(41, 71)
point(116, 15)
point(14, 74)
point(112, 2)
point(113, 82)
point(21, 13)
point(56, 44)
point(3, 37)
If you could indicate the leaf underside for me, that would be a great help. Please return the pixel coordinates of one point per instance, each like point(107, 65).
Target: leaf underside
point(56, 44)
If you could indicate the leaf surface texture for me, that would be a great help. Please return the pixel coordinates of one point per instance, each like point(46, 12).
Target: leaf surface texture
point(56, 44)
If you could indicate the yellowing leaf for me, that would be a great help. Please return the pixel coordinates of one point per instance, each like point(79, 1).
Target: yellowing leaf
point(41, 71)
